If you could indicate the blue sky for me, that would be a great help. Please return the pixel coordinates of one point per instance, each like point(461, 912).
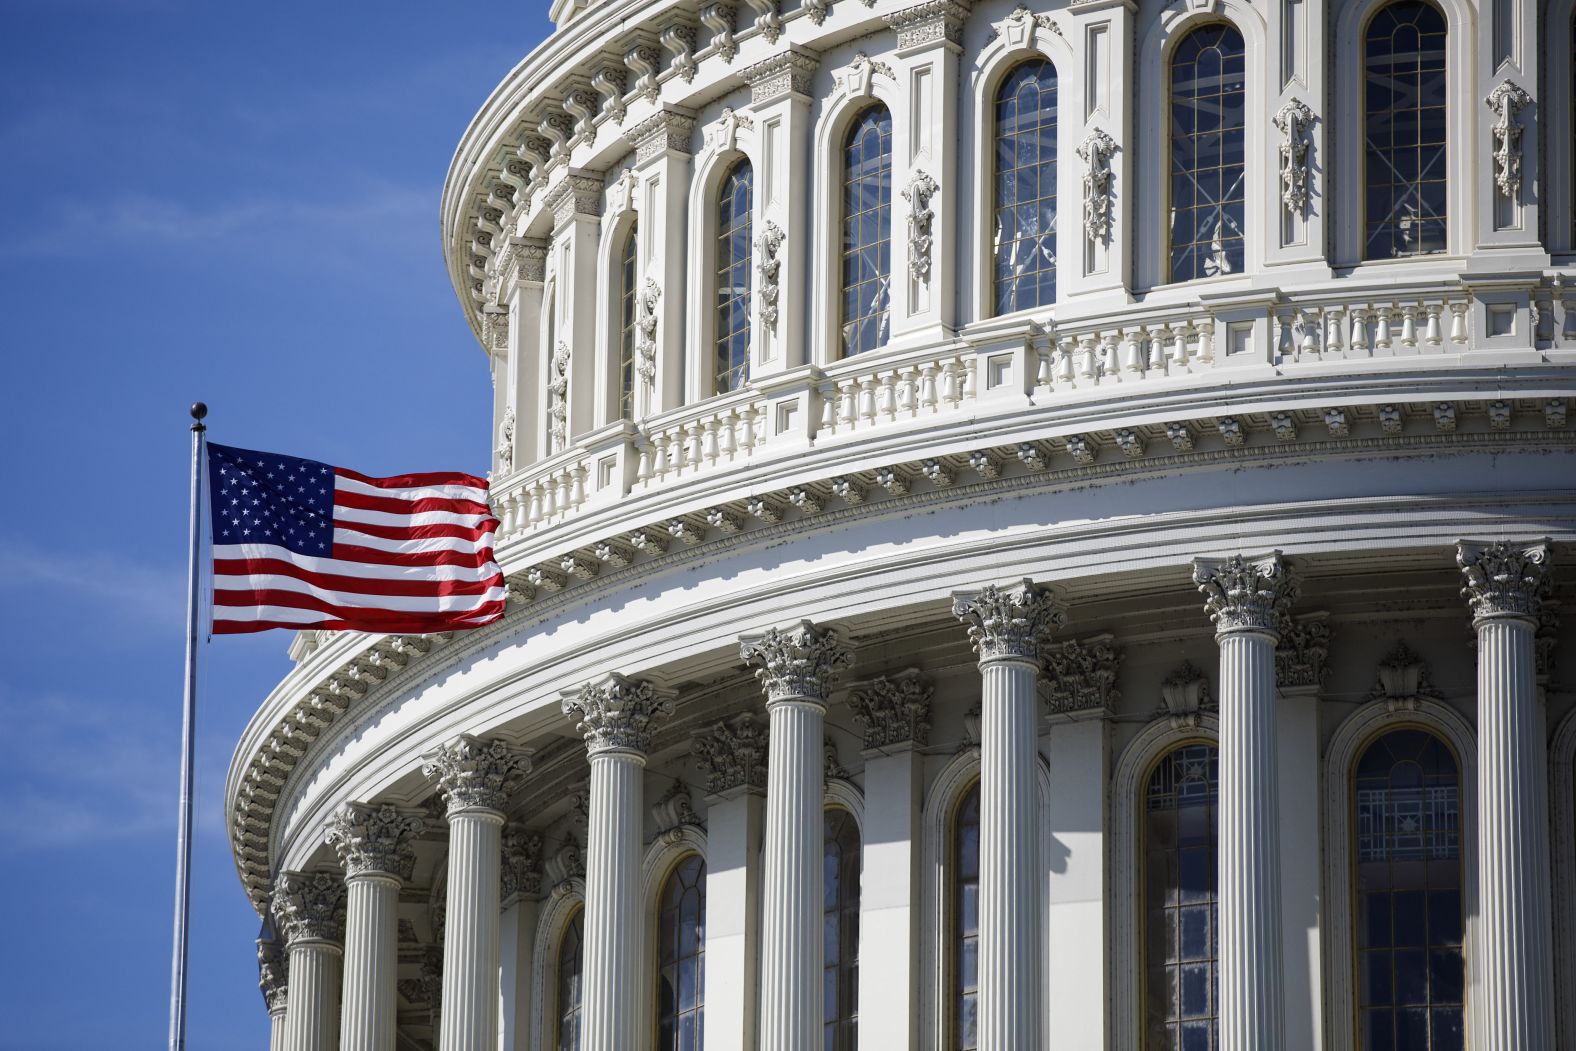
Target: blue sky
point(237, 203)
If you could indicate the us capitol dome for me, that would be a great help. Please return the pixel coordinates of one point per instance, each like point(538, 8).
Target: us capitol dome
point(1026, 527)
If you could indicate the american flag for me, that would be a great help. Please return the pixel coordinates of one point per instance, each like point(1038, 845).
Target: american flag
point(301, 544)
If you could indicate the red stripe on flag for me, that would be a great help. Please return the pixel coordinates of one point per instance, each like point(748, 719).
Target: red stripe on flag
point(412, 481)
point(422, 532)
point(226, 567)
point(395, 505)
point(374, 557)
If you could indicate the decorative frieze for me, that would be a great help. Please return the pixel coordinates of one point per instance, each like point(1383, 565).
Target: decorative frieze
point(1081, 675)
point(521, 871)
point(1185, 695)
point(921, 188)
point(1303, 648)
point(1402, 680)
point(1009, 621)
point(1506, 101)
point(1246, 595)
point(1295, 121)
point(575, 195)
point(667, 131)
point(732, 754)
point(473, 773)
point(1096, 152)
point(309, 906)
point(786, 73)
point(935, 21)
point(618, 714)
point(893, 711)
point(374, 838)
point(533, 260)
point(1505, 580)
point(798, 662)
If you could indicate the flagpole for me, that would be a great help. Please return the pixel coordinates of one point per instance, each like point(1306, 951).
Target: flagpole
point(183, 834)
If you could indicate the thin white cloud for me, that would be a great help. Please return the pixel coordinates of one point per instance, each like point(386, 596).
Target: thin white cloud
point(106, 586)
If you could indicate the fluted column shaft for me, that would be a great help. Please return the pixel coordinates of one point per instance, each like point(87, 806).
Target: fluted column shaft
point(1249, 862)
point(1513, 961)
point(312, 1014)
point(1009, 976)
point(371, 962)
point(276, 1029)
point(612, 965)
point(796, 667)
point(1247, 601)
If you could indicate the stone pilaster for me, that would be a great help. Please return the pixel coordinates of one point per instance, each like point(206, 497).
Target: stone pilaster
point(273, 979)
point(520, 888)
point(1512, 966)
point(616, 716)
point(374, 844)
point(1007, 625)
point(309, 910)
point(1247, 600)
point(796, 667)
point(662, 162)
point(476, 779)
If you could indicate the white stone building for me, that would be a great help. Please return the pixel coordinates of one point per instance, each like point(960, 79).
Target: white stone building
point(1027, 527)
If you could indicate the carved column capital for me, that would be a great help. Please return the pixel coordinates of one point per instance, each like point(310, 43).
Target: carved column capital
point(798, 662)
point(1505, 580)
point(522, 862)
point(475, 774)
point(1246, 594)
point(1082, 674)
point(374, 839)
point(618, 714)
point(666, 131)
point(1007, 622)
point(1304, 647)
point(893, 712)
point(273, 973)
point(309, 906)
point(785, 73)
point(733, 755)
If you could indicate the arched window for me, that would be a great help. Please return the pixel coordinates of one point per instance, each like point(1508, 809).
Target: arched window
point(735, 204)
point(1208, 148)
point(557, 381)
point(965, 933)
point(1181, 1002)
point(1407, 888)
point(1026, 188)
point(626, 330)
point(570, 956)
point(681, 973)
point(1404, 131)
point(867, 231)
point(840, 887)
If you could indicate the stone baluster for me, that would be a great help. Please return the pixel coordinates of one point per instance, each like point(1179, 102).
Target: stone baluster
point(1007, 625)
point(1247, 600)
point(374, 845)
point(476, 779)
point(273, 978)
point(309, 909)
point(796, 667)
point(1512, 962)
point(616, 716)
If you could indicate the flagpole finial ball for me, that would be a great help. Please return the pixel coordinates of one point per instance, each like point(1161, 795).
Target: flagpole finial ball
point(199, 410)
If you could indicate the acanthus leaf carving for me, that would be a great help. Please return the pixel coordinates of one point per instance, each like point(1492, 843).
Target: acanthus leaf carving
point(505, 449)
point(1402, 680)
point(893, 711)
point(768, 244)
point(1505, 580)
point(374, 839)
point(800, 662)
point(646, 347)
point(1081, 674)
point(679, 38)
point(273, 974)
point(1246, 594)
point(1507, 100)
point(1294, 120)
point(733, 754)
point(1096, 151)
point(718, 17)
point(921, 188)
point(309, 906)
point(1009, 621)
point(616, 714)
point(1302, 651)
point(675, 809)
point(1185, 695)
point(474, 773)
point(521, 872)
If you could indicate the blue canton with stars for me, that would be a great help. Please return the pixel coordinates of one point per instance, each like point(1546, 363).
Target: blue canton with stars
point(266, 498)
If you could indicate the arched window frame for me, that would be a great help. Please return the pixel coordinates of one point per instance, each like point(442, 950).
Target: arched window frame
point(717, 158)
point(662, 855)
point(1351, 738)
point(1175, 56)
point(1128, 786)
point(1562, 810)
point(1346, 130)
point(1151, 203)
point(942, 798)
point(852, 95)
point(1016, 43)
point(566, 899)
point(618, 228)
point(845, 796)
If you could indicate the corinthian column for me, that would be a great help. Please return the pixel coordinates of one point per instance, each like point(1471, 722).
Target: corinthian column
point(1513, 960)
point(476, 779)
point(1006, 625)
point(309, 909)
point(272, 979)
point(796, 666)
point(616, 716)
point(374, 845)
point(1247, 601)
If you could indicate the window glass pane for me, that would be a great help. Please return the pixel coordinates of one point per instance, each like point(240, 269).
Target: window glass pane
point(1025, 247)
point(966, 921)
point(1407, 825)
point(1208, 107)
point(1404, 164)
point(627, 322)
point(840, 887)
point(569, 970)
point(1181, 941)
point(867, 230)
point(681, 937)
point(735, 205)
